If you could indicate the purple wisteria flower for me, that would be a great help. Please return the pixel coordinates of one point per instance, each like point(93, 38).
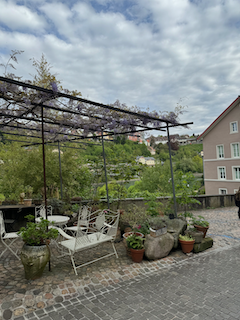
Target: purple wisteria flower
point(54, 86)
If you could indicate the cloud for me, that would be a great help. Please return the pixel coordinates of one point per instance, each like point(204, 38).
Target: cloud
point(21, 18)
point(145, 53)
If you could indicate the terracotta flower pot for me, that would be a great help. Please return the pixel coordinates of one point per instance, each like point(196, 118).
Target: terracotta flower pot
point(187, 246)
point(137, 255)
point(202, 229)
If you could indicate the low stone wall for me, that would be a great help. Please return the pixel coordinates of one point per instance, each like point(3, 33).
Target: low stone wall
point(206, 202)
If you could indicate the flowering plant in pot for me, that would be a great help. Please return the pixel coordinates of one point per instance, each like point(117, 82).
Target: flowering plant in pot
point(135, 243)
point(186, 243)
point(35, 252)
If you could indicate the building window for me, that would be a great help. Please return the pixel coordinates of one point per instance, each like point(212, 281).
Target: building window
point(221, 173)
point(236, 173)
point(233, 127)
point(222, 191)
point(220, 152)
point(235, 150)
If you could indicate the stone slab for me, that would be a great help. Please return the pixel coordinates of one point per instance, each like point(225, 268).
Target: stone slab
point(204, 245)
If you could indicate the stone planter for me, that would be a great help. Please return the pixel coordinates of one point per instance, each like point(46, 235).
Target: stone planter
point(159, 232)
point(197, 235)
point(158, 247)
point(34, 260)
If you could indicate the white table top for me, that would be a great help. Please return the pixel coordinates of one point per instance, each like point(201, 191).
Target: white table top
point(56, 219)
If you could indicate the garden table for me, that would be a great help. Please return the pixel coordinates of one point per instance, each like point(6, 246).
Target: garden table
point(57, 220)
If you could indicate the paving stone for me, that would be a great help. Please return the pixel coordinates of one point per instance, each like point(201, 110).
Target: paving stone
point(7, 314)
point(169, 289)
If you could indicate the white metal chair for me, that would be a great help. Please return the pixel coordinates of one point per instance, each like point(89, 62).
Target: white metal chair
point(84, 215)
point(40, 211)
point(107, 230)
point(7, 238)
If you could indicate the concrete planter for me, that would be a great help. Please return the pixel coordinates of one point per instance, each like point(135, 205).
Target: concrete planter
point(34, 260)
point(159, 232)
point(197, 235)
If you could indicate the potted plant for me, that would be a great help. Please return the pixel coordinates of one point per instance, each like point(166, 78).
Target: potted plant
point(135, 243)
point(200, 224)
point(2, 198)
point(35, 252)
point(157, 226)
point(186, 243)
point(128, 234)
point(28, 193)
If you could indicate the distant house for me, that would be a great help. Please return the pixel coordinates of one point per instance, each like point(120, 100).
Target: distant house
point(221, 152)
point(152, 151)
point(134, 137)
point(181, 140)
point(149, 161)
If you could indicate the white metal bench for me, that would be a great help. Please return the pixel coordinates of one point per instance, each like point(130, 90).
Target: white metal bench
point(106, 229)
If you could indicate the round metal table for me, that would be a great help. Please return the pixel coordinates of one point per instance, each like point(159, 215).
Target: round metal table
point(56, 219)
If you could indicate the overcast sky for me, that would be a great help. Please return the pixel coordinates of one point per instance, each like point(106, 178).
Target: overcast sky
point(149, 53)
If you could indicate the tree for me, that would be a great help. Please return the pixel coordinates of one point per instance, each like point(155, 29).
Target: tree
point(23, 167)
point(44, 78)
point(185, 187)
point(156, 179)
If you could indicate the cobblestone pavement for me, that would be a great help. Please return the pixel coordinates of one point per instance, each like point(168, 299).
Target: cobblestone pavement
point(197, 286)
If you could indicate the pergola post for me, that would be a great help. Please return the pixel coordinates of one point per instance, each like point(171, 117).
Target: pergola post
point(173, 186)
point(44, 167)
point(44, 175)
point(60, 169)
point(105, 170)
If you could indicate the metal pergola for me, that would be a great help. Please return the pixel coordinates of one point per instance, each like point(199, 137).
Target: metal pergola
point(56, 117)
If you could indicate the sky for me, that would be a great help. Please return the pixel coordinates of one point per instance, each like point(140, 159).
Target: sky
point(154, 54)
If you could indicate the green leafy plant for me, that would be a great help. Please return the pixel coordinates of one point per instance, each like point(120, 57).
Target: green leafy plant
point(29, 191)
point(186, 237)
point(186, 190)
point(36, 234)
point(134, 216)
point(153, 205)
point(2, 197)
point(135, 242)
point(186, 214)
point(75, 207)
point(199, 221)
point(143, 228)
